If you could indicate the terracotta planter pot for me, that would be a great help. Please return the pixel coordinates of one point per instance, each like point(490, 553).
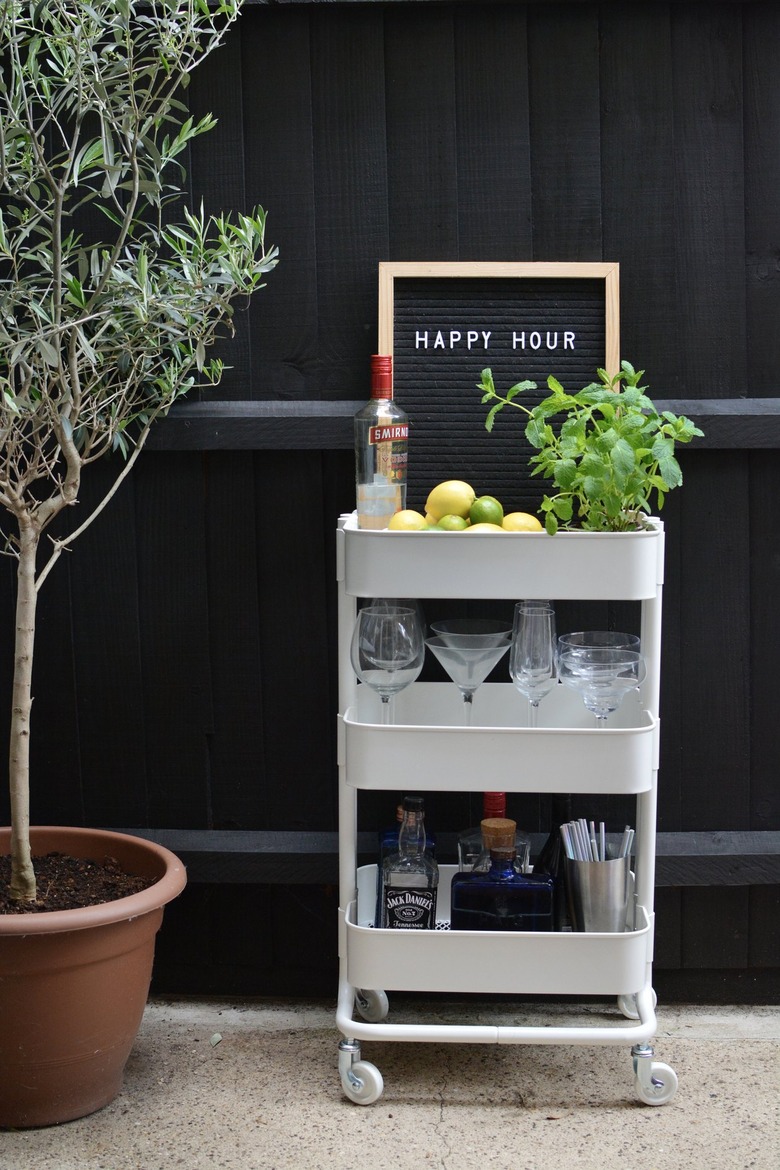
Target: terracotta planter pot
point(74, 983)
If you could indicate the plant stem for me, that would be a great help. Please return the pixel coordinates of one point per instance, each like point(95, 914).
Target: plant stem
point(23, 875)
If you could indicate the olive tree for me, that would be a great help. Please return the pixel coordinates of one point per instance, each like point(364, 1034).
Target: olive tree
point(111, 294)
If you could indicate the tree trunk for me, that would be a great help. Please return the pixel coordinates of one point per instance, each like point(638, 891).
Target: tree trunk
point(22, 873)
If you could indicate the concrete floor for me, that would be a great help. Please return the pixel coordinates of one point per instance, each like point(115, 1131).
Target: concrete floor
point(267, 1096)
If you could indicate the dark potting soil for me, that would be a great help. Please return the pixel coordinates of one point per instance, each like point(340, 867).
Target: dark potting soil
point(68, 883)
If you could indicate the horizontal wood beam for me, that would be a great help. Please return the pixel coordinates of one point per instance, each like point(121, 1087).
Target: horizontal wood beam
point(733, 423)
point(288, 858)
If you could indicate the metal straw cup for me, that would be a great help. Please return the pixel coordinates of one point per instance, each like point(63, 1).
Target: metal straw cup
point(598, 893)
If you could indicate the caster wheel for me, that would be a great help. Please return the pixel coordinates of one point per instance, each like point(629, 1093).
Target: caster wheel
point(627, 1005)
point(662, 1087)
point(373, 1006)
point(363, 1083)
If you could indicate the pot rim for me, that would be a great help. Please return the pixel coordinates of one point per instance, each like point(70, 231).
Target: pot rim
point(172, 880)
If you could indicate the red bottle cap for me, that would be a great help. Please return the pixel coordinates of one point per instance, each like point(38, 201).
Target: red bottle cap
point(494, 804)
point(381, 375)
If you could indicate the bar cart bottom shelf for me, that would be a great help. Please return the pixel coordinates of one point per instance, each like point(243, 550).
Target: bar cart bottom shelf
point(546, 964)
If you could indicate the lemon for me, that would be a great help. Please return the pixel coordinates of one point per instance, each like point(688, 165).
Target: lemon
point(451, 498)
point(485, 527)
point(407, 521)
point(486, 510)
point(453, 523)
point(521, 522)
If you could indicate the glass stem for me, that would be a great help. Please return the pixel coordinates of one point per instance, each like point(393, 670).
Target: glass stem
point(534, 721)
point(386, 710)
point(467, 708)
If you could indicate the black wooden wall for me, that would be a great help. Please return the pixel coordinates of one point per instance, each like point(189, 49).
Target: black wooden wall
point(185, 681)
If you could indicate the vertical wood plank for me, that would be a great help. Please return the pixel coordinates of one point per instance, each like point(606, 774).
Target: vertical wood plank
point(761, 56)
point(237, 758)
point(350, 175)
point(421, 138)
point(493, 136)
point(764, 567)
point(279, 174)
point(565, 132)
point(715, 643)
point(293, 583)
point(709, 211)
point(107, 658)
point(174, 637)
point(638, 184)
point(217, 88)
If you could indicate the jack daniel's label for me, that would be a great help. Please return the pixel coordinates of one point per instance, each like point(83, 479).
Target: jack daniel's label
point(410, 908)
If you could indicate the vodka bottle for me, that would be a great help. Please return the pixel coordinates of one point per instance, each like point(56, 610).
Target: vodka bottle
point(381, 436)
point(502, 898)
point(410, 876)
point(472, 854)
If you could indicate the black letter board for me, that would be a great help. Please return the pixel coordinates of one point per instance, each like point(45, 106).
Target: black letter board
point(445, 322)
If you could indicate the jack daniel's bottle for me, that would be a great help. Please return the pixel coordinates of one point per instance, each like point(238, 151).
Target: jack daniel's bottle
point(410, 877)
point(381, 436)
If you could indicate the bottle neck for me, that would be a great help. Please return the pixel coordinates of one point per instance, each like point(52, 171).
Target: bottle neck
point(502, 863)
point(411, 836)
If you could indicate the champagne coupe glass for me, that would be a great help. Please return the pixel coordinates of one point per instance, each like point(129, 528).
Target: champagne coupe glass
point(532, 662)
point(468, 660)
point(387, 651)
point(591, 639)
point(602, 675)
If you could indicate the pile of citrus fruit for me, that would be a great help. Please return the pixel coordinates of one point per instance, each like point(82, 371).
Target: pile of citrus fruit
point(454, 506)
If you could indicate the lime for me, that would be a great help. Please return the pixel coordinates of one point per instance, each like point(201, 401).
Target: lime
point(486, 510)
point(453, 523)
point(451, 498)
point(485, 527)
point(521, 522)
point(407, 521)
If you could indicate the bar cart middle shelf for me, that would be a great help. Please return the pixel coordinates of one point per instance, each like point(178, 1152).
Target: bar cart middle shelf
point(496, 752)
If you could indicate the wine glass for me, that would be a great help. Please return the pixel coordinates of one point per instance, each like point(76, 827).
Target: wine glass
point(468, 660)
point(602, 675)
point(387, 651)
point(532, 662)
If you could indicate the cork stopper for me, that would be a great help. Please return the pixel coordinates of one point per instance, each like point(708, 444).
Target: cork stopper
point(498, 834)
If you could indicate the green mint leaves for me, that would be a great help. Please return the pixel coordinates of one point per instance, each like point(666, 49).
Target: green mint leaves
point(608, 453)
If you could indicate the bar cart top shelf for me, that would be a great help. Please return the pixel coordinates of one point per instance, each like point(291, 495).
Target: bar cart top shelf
point(583, 565)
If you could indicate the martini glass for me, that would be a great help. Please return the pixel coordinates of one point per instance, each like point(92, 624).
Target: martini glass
point(602, 676)
point(387, 651)
point(485, 628)
point(468, 660)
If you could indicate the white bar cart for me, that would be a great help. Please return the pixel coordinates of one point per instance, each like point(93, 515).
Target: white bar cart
point(497, 752)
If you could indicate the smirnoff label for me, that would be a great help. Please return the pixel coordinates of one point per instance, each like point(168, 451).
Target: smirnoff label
point(410, 908)
point(388, 433)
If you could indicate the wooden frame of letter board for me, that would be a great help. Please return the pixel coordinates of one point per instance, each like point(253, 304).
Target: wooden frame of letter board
point(447, 438)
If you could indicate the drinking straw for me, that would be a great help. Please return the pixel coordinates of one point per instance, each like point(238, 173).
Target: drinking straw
point(626, 842)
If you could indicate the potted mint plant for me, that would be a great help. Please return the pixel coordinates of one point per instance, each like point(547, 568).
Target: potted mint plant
point(608, 453)
point(109, 306)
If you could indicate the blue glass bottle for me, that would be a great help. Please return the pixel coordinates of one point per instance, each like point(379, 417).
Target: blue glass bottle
point(502, 898)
